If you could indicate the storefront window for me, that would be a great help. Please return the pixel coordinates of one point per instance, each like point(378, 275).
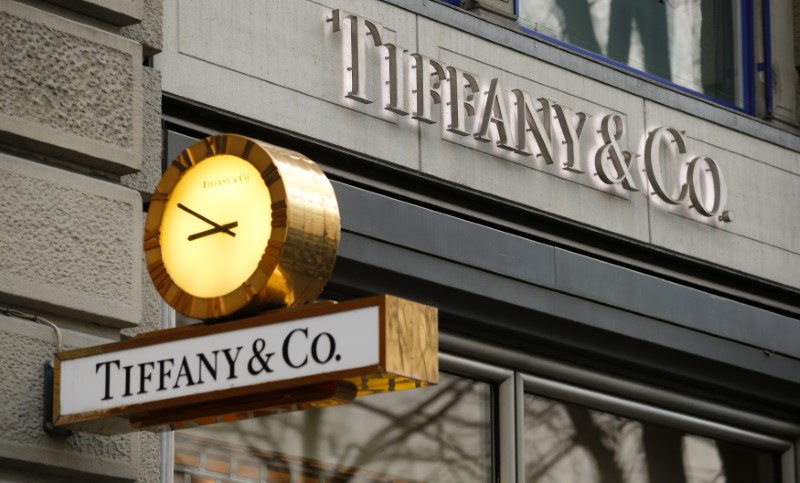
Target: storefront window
point(436, 434)
point(693, 44)
point(570, 443)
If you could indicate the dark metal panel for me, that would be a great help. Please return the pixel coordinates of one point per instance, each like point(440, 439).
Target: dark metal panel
point(622, 387)
point(654, 297)
point(445, 236)
point(546, 314)
point(176, 143)
point(573, 275)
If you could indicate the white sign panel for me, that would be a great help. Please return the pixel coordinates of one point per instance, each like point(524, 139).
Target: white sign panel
point(225, 360)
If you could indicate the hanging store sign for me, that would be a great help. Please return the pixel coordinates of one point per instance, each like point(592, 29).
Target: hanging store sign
point(291, 359)
point(517, 122)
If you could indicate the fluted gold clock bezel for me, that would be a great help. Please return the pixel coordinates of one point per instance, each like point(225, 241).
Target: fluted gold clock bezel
point(304, 230)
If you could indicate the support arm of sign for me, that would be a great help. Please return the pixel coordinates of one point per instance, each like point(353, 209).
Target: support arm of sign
point(47, 407)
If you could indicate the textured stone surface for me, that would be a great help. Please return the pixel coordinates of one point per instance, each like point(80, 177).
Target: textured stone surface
point(117, 12)
point(24, 347)
point(70, 243)
point(70, 90)
point(148, 32)
point(152, 147)
point(151, 304)
point(150, 459)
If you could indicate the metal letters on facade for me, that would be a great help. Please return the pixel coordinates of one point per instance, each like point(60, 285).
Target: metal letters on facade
point(517, 122)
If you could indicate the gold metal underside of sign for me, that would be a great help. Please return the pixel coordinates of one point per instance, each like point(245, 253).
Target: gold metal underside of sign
point(408, 359)
point(321, 395)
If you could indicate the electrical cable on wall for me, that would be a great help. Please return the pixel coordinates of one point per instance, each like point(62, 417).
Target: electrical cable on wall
point(41, 320)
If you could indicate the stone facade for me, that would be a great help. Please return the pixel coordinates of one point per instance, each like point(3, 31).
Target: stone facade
point(80, 142)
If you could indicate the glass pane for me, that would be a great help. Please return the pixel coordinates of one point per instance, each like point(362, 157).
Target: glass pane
point(569, 443)
point(696, 44)
point(435, 434)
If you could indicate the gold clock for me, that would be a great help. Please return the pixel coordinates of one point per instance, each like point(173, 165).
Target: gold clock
point(237, 225)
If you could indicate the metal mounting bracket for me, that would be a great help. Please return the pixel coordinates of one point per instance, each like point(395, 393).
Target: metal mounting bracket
point(47, 413)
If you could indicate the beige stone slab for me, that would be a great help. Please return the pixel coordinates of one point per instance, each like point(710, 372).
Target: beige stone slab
point(724, 137)
point(528, 180)
point(287, 66)
point(69, 90)
point(149, 31)
point(70, 243)
point(24, 348)
point(148, 177)
point(763, 240)
point(116, 12)
point(723, 248)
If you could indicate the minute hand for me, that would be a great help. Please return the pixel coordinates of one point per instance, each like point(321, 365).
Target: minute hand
point(219, 227)
point(223, 228)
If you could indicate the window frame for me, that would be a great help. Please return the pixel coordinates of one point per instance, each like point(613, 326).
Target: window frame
point(748, 60)
point(562, 381)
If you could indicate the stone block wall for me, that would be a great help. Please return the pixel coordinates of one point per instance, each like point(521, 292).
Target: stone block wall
point(80, 150)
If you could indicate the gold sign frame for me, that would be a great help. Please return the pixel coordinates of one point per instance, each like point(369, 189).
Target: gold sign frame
point(407, 358)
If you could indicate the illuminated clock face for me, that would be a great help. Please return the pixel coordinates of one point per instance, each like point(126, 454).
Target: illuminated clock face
point(237, 226)
point(215, 226)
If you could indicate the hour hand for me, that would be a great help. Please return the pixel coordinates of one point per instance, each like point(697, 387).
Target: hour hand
point(218, 229)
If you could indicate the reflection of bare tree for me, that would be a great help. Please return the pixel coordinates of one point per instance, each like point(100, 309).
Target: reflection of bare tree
point(579, 28)
point(663, 448)
point(423, 420)
point(650, 19)
point(442, 433)
point(737, 464)
point(591, 437)
point(717, 62)
point(567, 442)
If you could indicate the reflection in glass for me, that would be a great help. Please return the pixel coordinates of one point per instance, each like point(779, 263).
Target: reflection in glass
point(435, 434)
point(569, 443)
point(695, 44)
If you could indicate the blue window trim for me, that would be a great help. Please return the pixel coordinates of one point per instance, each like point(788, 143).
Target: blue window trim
point(766, 66)
point(748, 62)
point(748, 54)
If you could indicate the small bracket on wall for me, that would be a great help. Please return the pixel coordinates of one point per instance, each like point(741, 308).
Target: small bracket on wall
point(47, 413)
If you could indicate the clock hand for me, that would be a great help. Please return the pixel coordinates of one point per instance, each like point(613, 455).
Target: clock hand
point(215, 225)
point(219, 229)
